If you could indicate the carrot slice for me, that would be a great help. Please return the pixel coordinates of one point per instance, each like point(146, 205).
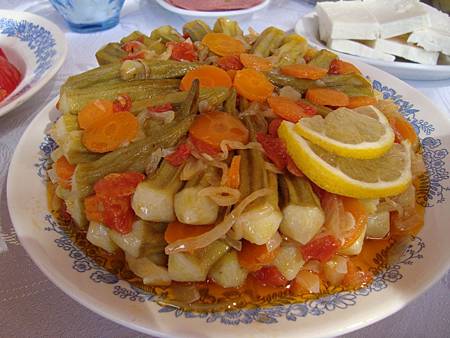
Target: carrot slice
point(222, 44)
point(177, 230)
point(327, 97)
point(256, 62)
point(214, 127)
point(304, 71)
point(252, 85)
point(64, 171)
point(209, 76)
point(286, 108)
point(234, 178)
point(359, 101)
point(403, 130)
point(107, 135)
point(342, 67)
point(253, 257)
point(94, 112)
point(359, 213)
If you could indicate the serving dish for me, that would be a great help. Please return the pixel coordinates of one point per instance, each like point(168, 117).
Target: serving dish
point(423, 262)
point(36, 47)
point(212, 15)
point(308, 26)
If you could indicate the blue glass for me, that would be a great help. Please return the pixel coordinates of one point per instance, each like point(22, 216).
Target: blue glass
point(86, 16)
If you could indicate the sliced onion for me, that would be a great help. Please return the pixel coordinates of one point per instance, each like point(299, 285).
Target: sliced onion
point(204, 107)
point(167, 54)
point(192, 168)
point(165, 116)
point(220, 230)
point(274, 242)
point(153, 161)
point(51, 173)
point(390, 205)
point(235, 244)
point(335, 218)
point(290, 92)
point(222, 196)
point(272, 168)
point(309, 281)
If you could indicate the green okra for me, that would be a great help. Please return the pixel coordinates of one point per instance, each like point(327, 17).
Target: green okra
point(215, 97)
point(166, 34)
point(93, 76)
point(73, 100)
point(269, 40)
point(323, 59)
point(154, 69)
point(135, 156)
point(281, 80)
point(294, 47)
point(111, 53)
point(228, 27)
point(196, 30)
point(351, 84)
point(230, 102)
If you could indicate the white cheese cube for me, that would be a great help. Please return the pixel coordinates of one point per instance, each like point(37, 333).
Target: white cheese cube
point(397, 17)
point(359, 49)
point(438, 20)
point(399, 47)
point(431, 40)
point(346, 20)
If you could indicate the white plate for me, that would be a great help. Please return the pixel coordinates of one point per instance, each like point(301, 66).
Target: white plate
point(308, 27)
point(36, 47)
point(423, 263)
point(189, 14)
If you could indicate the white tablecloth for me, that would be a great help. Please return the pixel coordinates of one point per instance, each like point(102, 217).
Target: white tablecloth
point(31, 306)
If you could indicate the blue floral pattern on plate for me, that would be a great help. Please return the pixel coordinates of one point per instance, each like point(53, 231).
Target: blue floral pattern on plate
point(38, 39)
point(434, 157)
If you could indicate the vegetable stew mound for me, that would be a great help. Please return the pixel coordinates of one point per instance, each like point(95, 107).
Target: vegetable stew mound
point(221, 170)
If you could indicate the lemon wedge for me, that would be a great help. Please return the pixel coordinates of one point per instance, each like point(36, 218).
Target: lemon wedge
point(384, 176)
point(360, 133)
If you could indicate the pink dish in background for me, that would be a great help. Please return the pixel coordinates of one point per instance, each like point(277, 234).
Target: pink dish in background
point(214, 5)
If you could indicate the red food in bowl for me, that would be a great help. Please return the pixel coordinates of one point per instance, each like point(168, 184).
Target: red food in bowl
point(9, 76)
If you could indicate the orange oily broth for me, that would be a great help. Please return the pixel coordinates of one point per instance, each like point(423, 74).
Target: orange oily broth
point(373, 258)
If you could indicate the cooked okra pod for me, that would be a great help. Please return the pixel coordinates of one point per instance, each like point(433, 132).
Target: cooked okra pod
point(196, 30)
point(269, 40)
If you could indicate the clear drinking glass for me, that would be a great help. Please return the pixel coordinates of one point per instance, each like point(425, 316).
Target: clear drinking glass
point(89, 15)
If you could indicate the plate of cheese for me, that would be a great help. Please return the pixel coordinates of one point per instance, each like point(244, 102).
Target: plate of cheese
point(406, 38)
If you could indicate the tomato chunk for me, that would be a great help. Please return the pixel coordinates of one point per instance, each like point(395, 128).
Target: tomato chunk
point(270, 275)
point(122, 103)
point(275, 149)
point(320, 248)
point(118, 184)
point(160, 109)
point(230, 62)
point(253, 257)
point(179, 156)
point(182, 51)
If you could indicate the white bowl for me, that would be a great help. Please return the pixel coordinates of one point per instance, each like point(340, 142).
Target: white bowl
point(36, 47)
point(425, 260)
point(308, 27)
point(211, 16)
